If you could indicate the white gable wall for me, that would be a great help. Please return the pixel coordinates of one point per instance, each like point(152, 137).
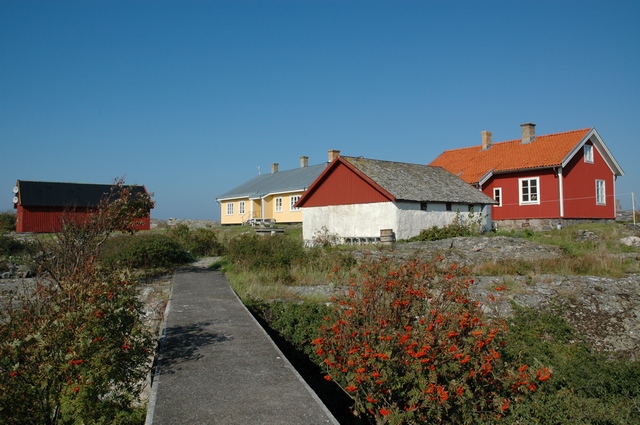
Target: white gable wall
point(366, 220)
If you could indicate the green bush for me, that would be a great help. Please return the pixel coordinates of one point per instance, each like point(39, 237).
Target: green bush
point(298, 323)
point(7, 222)
point(585, 387)
point(10, 246)
point(198, 242)
point(145, 251)
point(250, 252)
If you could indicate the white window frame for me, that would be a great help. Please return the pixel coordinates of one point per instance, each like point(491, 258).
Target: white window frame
point(526, 184)
point(292, 202)
point(601, 194)
point(241, 207)
point(588, 154)
point(277, 204)
point(497, 193)
point(230, 208)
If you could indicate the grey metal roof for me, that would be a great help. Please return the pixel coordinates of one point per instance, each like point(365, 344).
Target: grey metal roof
point(416, 182)
point(282, 181)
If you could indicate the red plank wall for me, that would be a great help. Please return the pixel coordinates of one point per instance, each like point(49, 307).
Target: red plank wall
point(511, 208)
point(342, 186)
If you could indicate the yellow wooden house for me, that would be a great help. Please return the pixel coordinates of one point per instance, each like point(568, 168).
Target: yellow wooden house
point(269, 197)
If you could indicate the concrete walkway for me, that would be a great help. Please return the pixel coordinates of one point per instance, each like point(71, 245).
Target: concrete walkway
point(216, 364)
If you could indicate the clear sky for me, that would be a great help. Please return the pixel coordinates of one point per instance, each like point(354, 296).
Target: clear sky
point(192, 98)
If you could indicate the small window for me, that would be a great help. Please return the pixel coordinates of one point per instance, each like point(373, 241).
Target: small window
point(529, 191)
point(423, 206)
point(278, 204)
point(588, 153)
point(600, 193)
point(230, 208)
point(294, 199)
point(241, 207)
point(497, 196)
point(448, 206)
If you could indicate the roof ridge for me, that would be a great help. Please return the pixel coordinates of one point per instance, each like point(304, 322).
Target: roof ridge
point(519, 140)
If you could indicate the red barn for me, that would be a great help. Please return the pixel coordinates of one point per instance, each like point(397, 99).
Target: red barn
point(41, 205)
point(541, 181)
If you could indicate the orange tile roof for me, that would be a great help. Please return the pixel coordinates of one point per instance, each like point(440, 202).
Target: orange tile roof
point(472, 163)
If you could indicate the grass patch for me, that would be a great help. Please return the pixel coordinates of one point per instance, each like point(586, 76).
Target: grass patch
point(590, 249)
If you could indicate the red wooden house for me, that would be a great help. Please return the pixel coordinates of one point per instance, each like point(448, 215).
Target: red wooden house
point(41, 205)
point(541, 181)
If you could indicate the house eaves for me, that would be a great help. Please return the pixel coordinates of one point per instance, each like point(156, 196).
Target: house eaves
point(597, 142)
point(295, 180)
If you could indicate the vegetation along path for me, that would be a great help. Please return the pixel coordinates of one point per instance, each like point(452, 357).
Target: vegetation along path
point(217, 365)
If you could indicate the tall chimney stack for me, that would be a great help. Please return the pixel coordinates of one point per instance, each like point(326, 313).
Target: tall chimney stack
point(528, 132)
point(274, 168)
point(333, 154)
point(304, 161)
point(486, 139)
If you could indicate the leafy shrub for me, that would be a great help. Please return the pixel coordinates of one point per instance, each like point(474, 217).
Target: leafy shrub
point(198, 242)
point(298, 323)
point(7, 222)
point(585, 388)
point(250, 252)
point(10, 246)
point(407, 344)
point(145, 251)
point(73, 348)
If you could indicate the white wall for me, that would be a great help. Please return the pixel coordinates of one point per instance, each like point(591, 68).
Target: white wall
point(366, 220)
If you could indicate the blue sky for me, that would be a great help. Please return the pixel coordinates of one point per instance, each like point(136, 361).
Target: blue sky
point(191, 98)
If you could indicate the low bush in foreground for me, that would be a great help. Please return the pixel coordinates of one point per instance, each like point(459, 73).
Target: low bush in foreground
point(73, 347)
point(409, 346)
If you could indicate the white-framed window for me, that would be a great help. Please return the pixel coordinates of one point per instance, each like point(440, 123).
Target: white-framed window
point(530, 191)
point(294, 199)
point(230, 208)
point(241, 207)
point(497, 195)
point(278, 202)
point(588, 153)
point(601, 197)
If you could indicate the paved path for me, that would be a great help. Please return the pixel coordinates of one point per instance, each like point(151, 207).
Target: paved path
point(218, 366)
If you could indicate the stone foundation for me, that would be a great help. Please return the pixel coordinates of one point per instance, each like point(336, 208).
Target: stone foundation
point(542, 224)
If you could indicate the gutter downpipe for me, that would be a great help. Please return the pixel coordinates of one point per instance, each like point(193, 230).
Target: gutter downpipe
point(561, 192)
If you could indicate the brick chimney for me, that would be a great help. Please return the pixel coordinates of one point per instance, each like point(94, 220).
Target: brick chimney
point(486, 139)
point(528, 132)
point(274, 168)
point(304, 161)
point(333, 154)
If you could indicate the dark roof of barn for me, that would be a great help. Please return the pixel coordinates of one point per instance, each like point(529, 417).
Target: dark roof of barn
point(416, 182)
point(68, 195)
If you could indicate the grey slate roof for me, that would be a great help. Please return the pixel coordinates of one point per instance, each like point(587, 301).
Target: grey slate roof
point(57, 194)
point(416, 182)
point(282, 181)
